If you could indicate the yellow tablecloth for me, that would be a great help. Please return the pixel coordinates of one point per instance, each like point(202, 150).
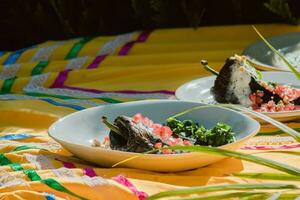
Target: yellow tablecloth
point(45, 82)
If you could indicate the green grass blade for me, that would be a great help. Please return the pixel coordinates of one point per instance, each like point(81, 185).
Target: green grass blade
point(263, 196)
point(254, 197)
point(222, 152)
point(274, 196)
point(275, 132)
point(287, 152)
point(269, 176)
point(251, 158)
point(226, 196)
point(276, 123)
point(190, 110)
point(126, 160)
point(292, 68)
point(214, 188)
point(297, 198)
point(133, 157)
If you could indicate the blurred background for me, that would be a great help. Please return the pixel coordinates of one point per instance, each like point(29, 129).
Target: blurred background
point(24, 23)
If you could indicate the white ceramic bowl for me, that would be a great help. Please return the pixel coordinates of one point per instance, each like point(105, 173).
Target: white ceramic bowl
point(75, 132)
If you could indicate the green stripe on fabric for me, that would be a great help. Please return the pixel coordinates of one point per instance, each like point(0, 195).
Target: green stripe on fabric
point(16, 166)
point(38, 69)
point(52, 183)
point(7, 85)
point(23, 147)
point(57, 186)
point(110, 100)
point(32, 175)
point(107, 100)
point(6, 161)
point(77, 47)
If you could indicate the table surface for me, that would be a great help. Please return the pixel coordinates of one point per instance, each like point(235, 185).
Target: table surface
point(43, 83)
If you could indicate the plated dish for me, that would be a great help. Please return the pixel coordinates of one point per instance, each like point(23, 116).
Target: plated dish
point(78, 131)
point(263, 58)
point(274, 93)
point(140, 134)
point(240, 83)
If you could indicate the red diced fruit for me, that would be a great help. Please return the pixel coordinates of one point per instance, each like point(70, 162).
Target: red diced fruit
point(187, 143)
point(286, 92)
point(166, 151)
point(171, 141)
point(252, 97)
point(138, 117)
point(156, 126)
point(106, 140)
point(158, 145)
point(271, 104)
point(178, 141)
point(159, 130)
point(164, 132)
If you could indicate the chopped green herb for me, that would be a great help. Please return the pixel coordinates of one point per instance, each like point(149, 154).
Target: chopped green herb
point(272, 84)
point(219, 135)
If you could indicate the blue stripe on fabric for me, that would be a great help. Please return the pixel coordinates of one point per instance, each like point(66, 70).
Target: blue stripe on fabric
point(16, 136)
point(49, 196)
point(2, 53)
point(14, 56)
point(51, 101)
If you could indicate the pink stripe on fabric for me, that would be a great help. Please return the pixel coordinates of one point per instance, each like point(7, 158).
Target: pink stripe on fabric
point(262, 147)
point(61, 78)
point(120, 91)
point(141, 38)
point(125, 49)
point(89, 172)
point(124, 181)
point(66, 164)
point(96, 62)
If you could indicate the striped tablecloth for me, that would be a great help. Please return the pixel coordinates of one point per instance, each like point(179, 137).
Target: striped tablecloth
point(42, 83)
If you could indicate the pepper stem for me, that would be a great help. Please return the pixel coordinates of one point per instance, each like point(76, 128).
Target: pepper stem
point(112, 127)
point(204, 63)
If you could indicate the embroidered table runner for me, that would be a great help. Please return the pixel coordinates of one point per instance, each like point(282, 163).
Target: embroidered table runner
point(45, 82)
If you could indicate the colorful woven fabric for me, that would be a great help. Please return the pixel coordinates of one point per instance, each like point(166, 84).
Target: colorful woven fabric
point(48, 81)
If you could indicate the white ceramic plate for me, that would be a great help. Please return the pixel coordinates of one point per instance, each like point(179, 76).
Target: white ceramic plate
point(263, 58)
point(75, 132)
point(199, 91)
